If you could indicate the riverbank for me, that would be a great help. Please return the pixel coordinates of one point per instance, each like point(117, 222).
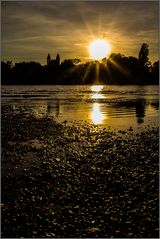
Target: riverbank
point(79, 180)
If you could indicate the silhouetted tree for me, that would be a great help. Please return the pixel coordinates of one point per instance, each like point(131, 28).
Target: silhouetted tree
point(48, 59)
point(117, 66)
point(117, 69)
point(144, 54)
point(155, 67)
point(104, 60)
point(155, 72)
point(28, 73)
point(76, 61)
point(67, 63)
point(58, 59)
point(9, 64)
point(6, 72)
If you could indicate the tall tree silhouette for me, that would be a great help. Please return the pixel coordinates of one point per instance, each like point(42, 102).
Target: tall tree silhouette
point(58, 59)
point(48, 59)
point(144, 54)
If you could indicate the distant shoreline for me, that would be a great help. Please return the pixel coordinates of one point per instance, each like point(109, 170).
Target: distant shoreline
point(116, 70)
point(76, 84)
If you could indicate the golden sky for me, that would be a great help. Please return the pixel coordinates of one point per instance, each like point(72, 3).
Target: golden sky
point(31, 30)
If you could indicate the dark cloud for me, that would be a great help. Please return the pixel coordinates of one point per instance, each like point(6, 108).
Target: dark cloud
point(32, 29)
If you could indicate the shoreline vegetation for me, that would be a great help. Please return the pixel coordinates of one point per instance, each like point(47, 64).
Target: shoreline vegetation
point(61, 180)
point(117, 69)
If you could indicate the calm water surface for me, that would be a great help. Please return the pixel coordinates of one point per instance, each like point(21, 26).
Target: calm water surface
point(116, 106)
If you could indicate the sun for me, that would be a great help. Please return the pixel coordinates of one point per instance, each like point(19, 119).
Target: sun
point(99, 49)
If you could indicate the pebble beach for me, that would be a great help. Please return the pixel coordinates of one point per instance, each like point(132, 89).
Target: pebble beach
point(78, 180)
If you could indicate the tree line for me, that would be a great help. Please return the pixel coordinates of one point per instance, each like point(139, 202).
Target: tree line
point(117, 69)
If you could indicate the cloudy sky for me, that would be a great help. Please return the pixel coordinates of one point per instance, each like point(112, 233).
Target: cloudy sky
point(31, 30)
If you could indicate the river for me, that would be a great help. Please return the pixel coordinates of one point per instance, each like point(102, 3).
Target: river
point(109, 106)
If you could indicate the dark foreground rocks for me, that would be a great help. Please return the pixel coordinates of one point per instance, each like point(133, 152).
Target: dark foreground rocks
point(61, 180)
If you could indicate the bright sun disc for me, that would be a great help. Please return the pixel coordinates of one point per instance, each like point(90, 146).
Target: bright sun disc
point(99, 49)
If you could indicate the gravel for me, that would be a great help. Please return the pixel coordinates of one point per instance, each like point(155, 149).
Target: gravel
point(78, 180)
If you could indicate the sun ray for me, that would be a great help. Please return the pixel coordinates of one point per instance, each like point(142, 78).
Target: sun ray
point(120, 68)
point(107, 70)
point(87, 71)
point(97, 74)
point(100, 26)
point(79, 7)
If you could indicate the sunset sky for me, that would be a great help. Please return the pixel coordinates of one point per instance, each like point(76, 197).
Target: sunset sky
point(31, 30)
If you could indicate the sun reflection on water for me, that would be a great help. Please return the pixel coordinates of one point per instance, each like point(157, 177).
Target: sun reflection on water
point(96, 88)
point(96, 115)
point(97, 92)
point(97, 96)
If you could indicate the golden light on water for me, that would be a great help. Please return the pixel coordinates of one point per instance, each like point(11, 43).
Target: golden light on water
point(99, 49)
point(96, 115)
point(97, 96)
point(96, 87)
